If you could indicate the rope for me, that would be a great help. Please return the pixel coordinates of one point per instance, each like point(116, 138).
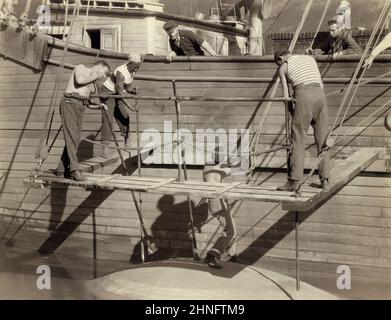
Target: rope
point(357, 127)
point(320, 22)
point(333, 93)
point(358, 68)
point(354, 77)
point(128, 149)
point(85, 23)
point(40, 154)
point(66, 19)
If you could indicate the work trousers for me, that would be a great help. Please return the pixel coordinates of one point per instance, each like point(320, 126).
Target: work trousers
point(71, 111)
point(116, 110)
point(311, 109)
point(226, 240)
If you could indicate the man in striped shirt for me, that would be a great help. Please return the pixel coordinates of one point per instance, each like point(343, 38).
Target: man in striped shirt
point(311, 109)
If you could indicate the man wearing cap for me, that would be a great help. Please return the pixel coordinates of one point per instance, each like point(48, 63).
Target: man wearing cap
point(118, 83)
point(185, 42)
point(310, 109)
point(340, 42)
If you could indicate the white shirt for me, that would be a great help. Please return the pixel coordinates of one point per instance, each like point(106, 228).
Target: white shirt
point(383, 45)
point(109, 83)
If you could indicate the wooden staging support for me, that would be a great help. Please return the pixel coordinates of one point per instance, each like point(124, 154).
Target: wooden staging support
point(310, 197)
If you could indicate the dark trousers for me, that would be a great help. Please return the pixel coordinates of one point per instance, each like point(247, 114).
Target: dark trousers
point(227, 238)
point(71, 111)
point(311, 109)
point(116, 110)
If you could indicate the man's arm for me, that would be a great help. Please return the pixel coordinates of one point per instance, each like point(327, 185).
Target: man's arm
point(352, 47)
point(172, 54)
point(322, 48)
point(84, 75)
point(282, 73)
point(119, 83)
point(208, 48)
point(383, 45)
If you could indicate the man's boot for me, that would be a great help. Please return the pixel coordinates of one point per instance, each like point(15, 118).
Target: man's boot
point(325, 184)
point(77, 176)
point(291, 186)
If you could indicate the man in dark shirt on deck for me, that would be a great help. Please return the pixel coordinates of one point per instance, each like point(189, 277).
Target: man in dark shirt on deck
point(185, 42)
point(340, 42)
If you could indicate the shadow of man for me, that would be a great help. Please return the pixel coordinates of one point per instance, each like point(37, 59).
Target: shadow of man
point(59, 194)
point(171, 231)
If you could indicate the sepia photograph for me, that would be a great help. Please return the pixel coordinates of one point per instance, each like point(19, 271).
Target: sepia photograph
point(195, 154)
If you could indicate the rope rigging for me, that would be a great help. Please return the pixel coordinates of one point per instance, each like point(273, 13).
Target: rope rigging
point(42, 150)
point(320, 22)
point(329, 141)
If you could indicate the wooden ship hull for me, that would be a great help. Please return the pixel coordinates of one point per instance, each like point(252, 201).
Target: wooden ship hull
point(352, 227)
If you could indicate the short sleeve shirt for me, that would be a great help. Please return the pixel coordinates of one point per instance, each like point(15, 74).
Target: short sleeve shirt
point(189, 44)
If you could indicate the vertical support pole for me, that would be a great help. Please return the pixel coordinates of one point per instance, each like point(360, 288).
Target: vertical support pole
point(65, 19)
point(287, 135)
point(94, 243)
point(138, 209)
point(179, 136)
point(181, 157)
point(138, 199)
point(297, 251)
point(138, 139)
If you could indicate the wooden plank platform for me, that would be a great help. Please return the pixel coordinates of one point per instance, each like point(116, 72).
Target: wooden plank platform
point(341, 175)
point(93, 164)
point(309, 198)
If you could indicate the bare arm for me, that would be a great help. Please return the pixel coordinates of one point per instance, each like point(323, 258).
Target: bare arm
point(119, 83)
point(282, 73)
point(84, 75)
point(383, 45)
point(352, 46)
point(208, 48)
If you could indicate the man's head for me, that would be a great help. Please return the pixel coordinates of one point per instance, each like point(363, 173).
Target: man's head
point(172, 30)
point(334, 29)
point(102, 68)
point(134, 62)
point(281, 56)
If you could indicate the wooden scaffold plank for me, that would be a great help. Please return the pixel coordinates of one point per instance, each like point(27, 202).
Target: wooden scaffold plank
point(341, 174)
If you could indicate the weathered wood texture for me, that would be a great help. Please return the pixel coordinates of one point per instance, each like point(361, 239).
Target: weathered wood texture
point(354, 227)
